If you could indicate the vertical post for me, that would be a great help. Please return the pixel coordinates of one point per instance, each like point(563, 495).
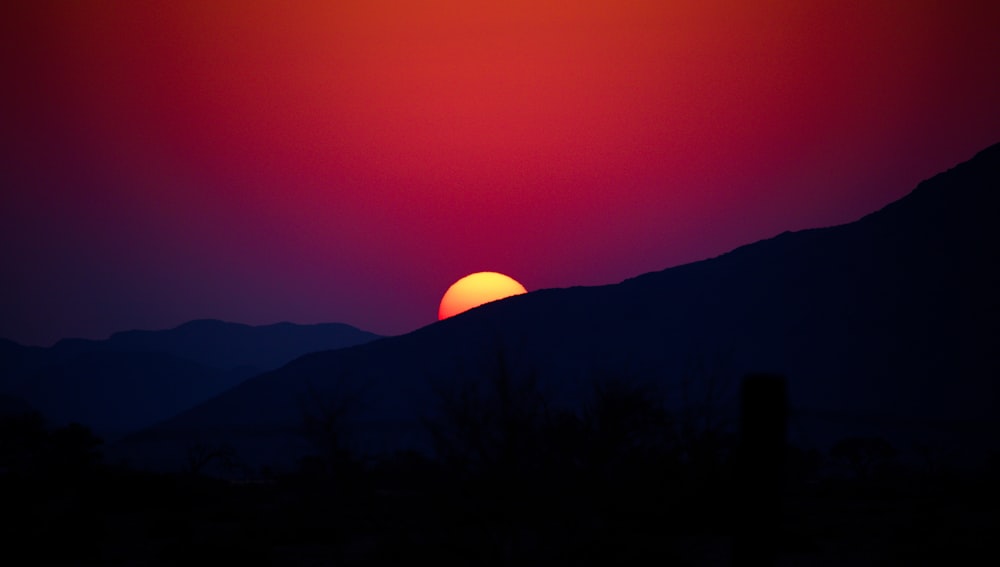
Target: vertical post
point(760, 469)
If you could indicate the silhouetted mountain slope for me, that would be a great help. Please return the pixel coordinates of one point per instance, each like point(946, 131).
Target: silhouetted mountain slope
point(226, 345)
point(136, 378)
point(15, 360)
point(117, 392)
point(13, 406)
point(885, 326)
point(897, 307)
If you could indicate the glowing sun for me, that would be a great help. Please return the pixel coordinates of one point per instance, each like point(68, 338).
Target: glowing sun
point(476, 289)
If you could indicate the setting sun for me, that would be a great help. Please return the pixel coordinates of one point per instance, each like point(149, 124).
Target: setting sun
point(476, 289)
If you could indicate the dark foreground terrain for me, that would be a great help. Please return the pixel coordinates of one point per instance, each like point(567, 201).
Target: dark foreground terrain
point(620, 484)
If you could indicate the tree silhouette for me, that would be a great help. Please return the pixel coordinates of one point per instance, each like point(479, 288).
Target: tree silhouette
point(200, 455)
point(704, 427)
point(324, 417)
point(864, 455)
point(763, 432)
point(626, 421)
point(28, 447)
point(490, 422)
point(22, 439)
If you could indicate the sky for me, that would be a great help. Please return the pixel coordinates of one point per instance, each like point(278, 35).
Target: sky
point(348, 161)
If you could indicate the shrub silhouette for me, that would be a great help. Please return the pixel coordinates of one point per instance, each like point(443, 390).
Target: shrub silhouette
point(47, 483)
point(863, 455)
point(29, 448)
point(200, 455)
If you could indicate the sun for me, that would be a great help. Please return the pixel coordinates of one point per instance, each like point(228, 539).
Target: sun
point(476, 289)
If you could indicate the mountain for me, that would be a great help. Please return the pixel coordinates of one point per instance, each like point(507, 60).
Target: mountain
point(136, 378)
point(117, 392)
point(225, 345)
point(885, 326)
point(15, 361)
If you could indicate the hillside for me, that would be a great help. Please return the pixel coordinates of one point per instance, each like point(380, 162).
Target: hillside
point(134, 379)
point(884, 326)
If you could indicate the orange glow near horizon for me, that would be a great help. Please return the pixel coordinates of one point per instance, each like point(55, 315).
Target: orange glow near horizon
point(263, 161)
point(476, 289)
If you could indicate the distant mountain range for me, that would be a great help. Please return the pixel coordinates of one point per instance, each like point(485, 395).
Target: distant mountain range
point(135, 378)
point(886, 326)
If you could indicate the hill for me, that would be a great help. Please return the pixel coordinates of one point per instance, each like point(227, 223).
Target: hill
point(885, 326)
point(136, 378)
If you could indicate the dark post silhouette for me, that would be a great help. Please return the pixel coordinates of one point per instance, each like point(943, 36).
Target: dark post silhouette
point(763, 425)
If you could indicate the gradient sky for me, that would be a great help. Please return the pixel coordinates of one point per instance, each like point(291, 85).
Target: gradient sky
point(347, 161)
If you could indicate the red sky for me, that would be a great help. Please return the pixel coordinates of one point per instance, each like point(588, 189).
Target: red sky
point(347, 161)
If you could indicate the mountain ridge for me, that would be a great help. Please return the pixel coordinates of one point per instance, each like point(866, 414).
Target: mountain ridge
point(864, 318)
point(135, 378)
